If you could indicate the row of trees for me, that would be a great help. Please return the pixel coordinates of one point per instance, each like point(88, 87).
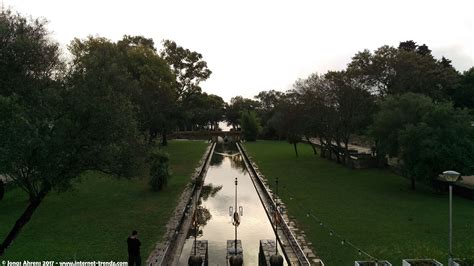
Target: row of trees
point(102, 110)
point(411, 105)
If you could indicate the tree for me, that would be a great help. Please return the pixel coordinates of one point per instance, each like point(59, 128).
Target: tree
point(215, 109)
point(237, 105)
point(395, 113)
point(427, 136)
point(410, 68)
point(353, 106)
point(443, 140)
point(156, 92)
point(288, 119)
point(375, 70)
point(333, 107)
point(250, 125)
point(187, 66)
point(203, 111)
point(147, 78)
point(463, 95)
point(52, 131)
point(409, 46)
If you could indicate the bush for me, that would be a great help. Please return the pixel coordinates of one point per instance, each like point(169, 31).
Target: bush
point(159, 170)
point(250, 125)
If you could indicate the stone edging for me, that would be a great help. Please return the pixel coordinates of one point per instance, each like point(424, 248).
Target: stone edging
point(290, 221)
point(163, 249)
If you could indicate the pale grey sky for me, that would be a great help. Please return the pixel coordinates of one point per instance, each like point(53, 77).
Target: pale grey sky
point(255, 45)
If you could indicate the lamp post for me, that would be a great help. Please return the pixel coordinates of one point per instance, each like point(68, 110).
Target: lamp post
point(451, 177)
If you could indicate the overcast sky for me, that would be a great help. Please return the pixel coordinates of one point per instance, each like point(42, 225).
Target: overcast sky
point(258, 45)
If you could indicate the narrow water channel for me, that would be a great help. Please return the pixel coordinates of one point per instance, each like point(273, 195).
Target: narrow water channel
point(216, 197)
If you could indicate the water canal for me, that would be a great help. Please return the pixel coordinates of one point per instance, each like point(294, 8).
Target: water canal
point(217, 196)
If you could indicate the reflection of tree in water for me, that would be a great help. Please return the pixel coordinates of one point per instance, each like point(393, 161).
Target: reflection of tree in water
point(227, 150)
point(203, 215)
point(209, 190)
point(237, 162)
point(216, 159)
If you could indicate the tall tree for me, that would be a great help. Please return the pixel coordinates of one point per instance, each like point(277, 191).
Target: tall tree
point(215, 109)
point(250, 125)
point(318, 113)
point(156, 92)
point(424, 135)
point(463, 95)
point(288, 119)
point(410, 68)
point(52, 131)
point(353, 106)
point(234, 109)
point(188, 67)
point(268, 101)
point(443, 140)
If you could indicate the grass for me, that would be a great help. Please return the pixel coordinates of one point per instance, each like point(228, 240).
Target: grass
point(93, 221)
point(374, 209)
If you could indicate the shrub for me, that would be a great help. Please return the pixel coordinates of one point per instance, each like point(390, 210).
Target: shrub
point(159, 170)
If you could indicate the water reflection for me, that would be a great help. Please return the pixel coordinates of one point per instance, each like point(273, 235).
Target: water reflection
point(216, 197)
point(209, 190)
point(237, 162)
point(203, 215)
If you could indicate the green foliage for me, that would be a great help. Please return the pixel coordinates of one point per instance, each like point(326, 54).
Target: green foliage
point(443, 140)
point(429, 137)
point(333, 107)
point(250, 125)
point(395, 113)
point(237, 105)
point(463, 96)
point(56, 125)
point(410, 68)
point(187, 66)
point(203, 111)
point(159, 170)
point(133, 68)
point(156, 93)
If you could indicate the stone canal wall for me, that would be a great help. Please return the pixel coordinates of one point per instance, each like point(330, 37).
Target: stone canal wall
point(179, 223)
point(297, 250)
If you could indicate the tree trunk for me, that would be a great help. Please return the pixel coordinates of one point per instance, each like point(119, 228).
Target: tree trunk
point(152, 136)
point(22, 221)
point(413, 183)
point(296, 149)
point(323, 148)
point(346, 151)
point(2, 189)
point(312, 145)
point(337, 150)
point(164, 141)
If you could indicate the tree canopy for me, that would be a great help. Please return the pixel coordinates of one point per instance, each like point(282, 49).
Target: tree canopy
point(428, 137)
point(56, 124)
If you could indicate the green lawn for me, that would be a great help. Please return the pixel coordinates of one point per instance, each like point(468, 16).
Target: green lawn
point(373, 209)
point(93, 221)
